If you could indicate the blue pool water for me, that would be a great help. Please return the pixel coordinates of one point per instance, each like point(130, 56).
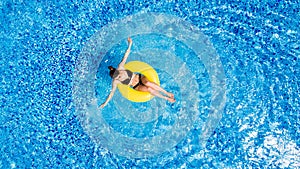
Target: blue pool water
point(46, 121)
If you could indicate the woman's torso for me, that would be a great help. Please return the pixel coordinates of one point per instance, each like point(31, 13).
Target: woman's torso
point(126, 76)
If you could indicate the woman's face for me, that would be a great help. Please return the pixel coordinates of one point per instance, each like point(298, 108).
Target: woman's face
point(118, 77)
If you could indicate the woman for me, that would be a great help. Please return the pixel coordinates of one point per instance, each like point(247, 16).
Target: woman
point(137, 81)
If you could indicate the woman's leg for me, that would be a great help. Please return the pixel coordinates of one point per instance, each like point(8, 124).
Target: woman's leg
point(154, 92)
point(147, 83)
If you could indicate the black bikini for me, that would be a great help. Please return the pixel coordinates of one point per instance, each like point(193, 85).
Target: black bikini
point(139, 83)
point(130, 76)
point(127, 81)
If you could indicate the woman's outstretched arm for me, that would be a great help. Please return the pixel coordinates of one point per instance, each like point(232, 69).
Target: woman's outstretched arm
point(122, 63)
point(112, 92)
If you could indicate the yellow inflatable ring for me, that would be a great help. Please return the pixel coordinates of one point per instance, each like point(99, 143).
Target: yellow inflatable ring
point(145, 69)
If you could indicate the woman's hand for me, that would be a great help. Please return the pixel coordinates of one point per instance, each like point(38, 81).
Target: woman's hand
point(129, 40)
point(102, 105)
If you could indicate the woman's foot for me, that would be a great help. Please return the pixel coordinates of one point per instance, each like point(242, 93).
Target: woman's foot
point(171, 95)
point(172, 100)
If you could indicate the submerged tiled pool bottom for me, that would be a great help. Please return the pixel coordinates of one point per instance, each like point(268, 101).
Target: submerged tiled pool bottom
point(48, 111)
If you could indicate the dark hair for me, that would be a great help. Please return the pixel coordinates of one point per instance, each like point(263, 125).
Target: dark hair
point(113, 72)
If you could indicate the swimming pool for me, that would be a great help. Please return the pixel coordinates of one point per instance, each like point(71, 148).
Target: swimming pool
point(257, 44)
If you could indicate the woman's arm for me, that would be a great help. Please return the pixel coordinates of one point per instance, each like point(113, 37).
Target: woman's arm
point(122, 63)
point(112, 92)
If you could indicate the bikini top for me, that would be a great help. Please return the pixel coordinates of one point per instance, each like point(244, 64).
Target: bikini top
point(127, 80)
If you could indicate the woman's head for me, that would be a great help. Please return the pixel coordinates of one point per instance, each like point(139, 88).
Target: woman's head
point(113, 72)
